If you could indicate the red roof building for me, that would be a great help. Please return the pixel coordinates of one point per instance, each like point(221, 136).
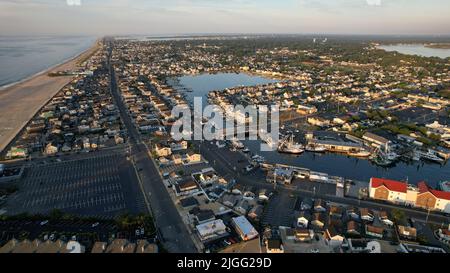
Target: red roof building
point(391, 185)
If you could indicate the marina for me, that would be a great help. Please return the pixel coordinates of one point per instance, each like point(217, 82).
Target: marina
point(347, 159)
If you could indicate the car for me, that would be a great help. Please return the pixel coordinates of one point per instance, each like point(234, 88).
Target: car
point(227, 242)
point(314, 250)
point(43, 223)
point(95, 224)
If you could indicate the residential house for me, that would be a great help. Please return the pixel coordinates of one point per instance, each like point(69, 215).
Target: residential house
point(274, 246)
point(303, 219)
point(320, 205)
point(366, 214)
point(374, 231)
point(318, 220)
point(353, 229)
point(408, 233)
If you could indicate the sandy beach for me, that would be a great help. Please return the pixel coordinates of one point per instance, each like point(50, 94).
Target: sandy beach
point(20, 102)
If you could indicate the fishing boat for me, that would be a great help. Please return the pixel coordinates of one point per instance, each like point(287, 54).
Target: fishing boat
point(315, 148)
point(289, 147)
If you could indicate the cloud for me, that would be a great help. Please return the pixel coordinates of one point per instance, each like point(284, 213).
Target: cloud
point(374, 2)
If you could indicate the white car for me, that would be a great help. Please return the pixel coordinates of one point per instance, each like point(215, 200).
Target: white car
point(43, 223)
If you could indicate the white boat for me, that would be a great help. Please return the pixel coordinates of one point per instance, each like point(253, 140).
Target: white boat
point(361, 153)
point(315, 148)
point(445, 186)
point(289, 147)
point(246, 150)
point(237, 144)
point(430, 156)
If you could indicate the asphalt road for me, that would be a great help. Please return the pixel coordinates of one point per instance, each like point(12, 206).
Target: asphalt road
point(172, 231)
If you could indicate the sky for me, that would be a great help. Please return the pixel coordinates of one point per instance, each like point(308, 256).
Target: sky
point(163, 17)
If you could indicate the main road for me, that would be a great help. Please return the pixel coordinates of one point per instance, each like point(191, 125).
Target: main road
point(173, 232)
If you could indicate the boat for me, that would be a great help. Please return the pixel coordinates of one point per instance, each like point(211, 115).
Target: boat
point(246, 150)
point(237, 144)
point(430, 156)
point(445, 186)
point(258, 158)
point(361, 153)
point(315, 148)
point(289, 147)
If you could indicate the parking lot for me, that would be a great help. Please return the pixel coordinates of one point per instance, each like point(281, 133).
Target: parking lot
point(279, 211)
point(187, 169)
point(103, 186)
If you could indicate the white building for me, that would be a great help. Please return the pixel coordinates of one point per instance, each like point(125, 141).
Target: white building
point(211, 230)
point(243, 227)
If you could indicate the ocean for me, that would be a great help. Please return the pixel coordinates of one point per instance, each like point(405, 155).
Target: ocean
point(22, 57)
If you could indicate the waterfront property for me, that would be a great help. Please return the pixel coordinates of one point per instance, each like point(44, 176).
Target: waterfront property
point(422, 196)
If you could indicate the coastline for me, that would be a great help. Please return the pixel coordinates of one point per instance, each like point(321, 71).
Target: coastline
point(20, 101)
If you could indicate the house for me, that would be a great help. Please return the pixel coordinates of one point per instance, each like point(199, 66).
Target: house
point(206, 177)
point(178, 146)
point(428, 198)
point(336, 212)
point(383, 217)
point(211, 230)
point(243, 228)
point(303, 219)
point(374, 231)
point(318, 220)
point(120, 246)
point(202, 216)
point(353, 229)
point(274, 246)
point(186, 187)
point(333, 233)
point(176, 159)
point(388, 190)
point(193, 158)
point(263, 195)
point(320, 205)
point(303, 235)
point(320, 122)
point(408, 233)
point(366, 214)
point(353, 213)
point(162, 151)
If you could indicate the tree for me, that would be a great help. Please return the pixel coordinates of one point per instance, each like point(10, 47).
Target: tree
point(398, 215)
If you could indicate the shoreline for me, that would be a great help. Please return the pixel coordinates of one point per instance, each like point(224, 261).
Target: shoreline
point(20, 101)
point(49, 69)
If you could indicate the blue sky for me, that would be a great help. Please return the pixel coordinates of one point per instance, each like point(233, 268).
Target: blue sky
point(101, 17)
